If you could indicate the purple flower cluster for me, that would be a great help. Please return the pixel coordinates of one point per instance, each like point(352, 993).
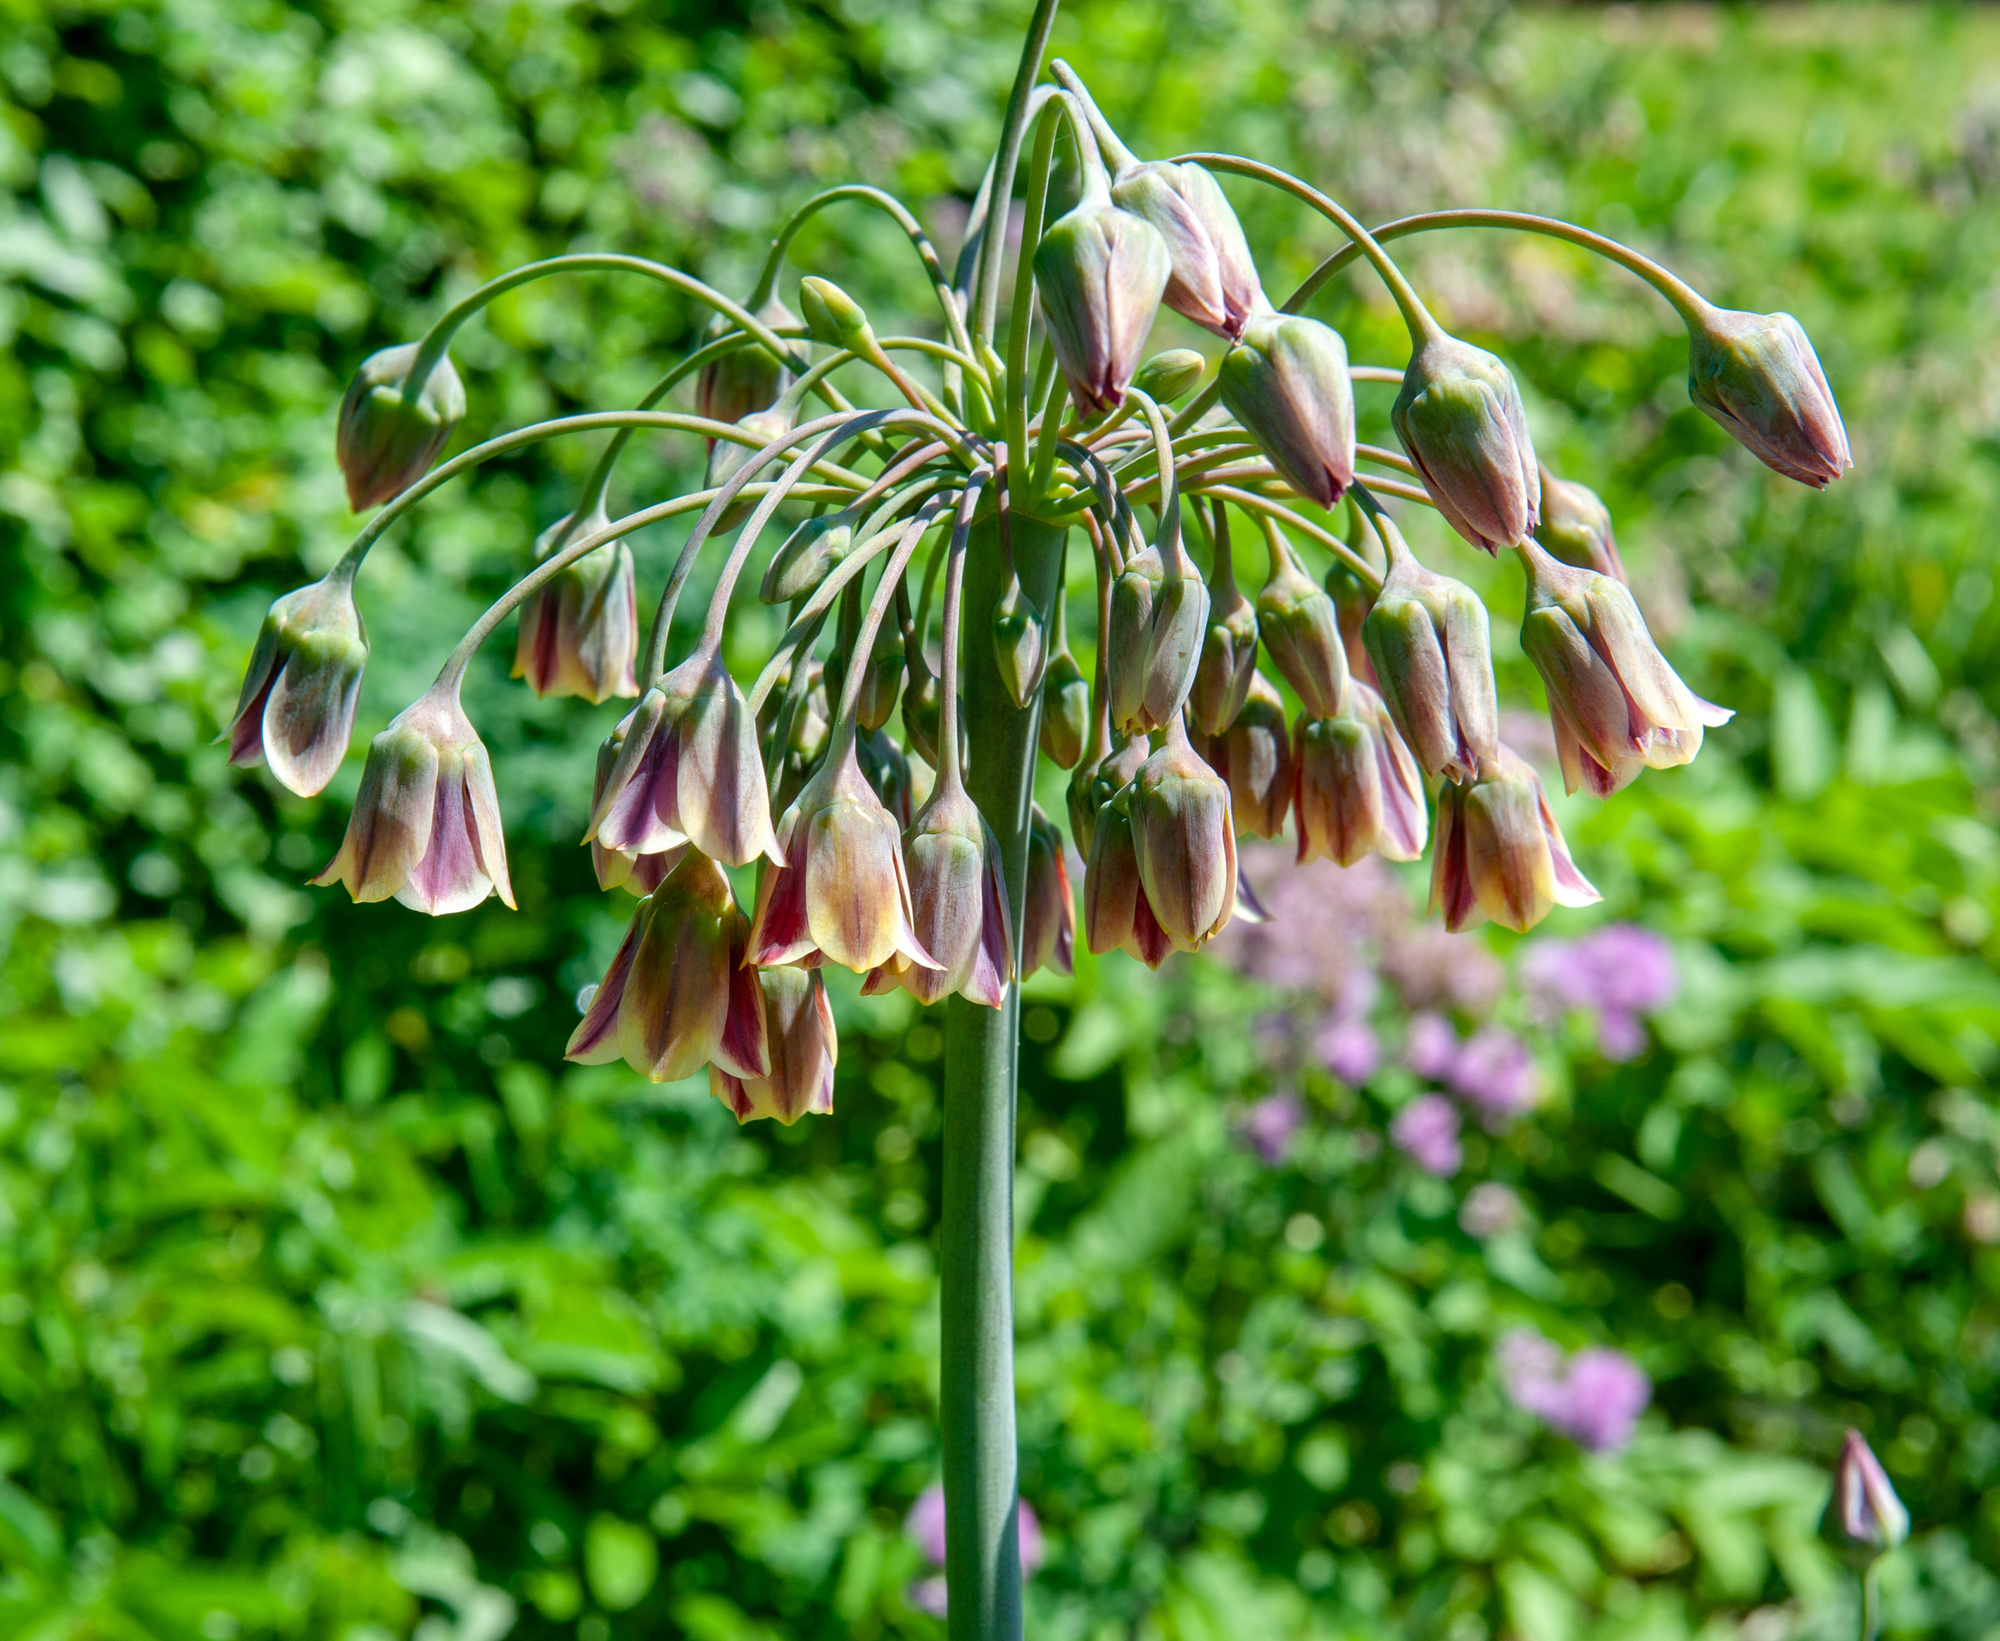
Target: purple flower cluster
point(925, 1524)
point(1594, 1397)
point(1269, 1126)
point(1491, 1070)
point(1620, 972)
point(1426, 1131)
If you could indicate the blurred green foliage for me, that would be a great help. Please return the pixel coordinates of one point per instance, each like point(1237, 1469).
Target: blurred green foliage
point(332, 1304)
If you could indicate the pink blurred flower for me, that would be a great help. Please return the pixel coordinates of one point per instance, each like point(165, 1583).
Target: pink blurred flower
point(1349, 1049)
point(1490, 1209)
point(1619, 1035)
point(1494, 1071)
point(1426, 1131)
point(925, 1524)
point(1269, 1125)
point(1595, 1398)
point(1431, 1047)
point(1621, 970)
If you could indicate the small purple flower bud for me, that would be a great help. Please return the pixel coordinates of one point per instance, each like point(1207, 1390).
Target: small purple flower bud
point(1576, 527)
point(1500, 853)
point(1426, 1131)
point(1270, 1125)
point(296, 709)
point(1357, 787)
point(1214, 281)
point(1287, 383)
point(1460, 418)
point(580, 632)
point(1865, 1512)
point(1595, 1399)
point(1048, 921)
point(1757, 375)
point(746, 380)
point(1100, 273)
point(384, 442)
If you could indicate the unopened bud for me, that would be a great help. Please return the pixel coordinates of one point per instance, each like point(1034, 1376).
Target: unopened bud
point(1301, 629)
point(1229, 647)
point(806, 558)
point(883, 679)
point(1020, 643)
point(1185, 843)
point(296, 709)
point(1133, 596)
point(1359, 790)
point(888, 771)
point(1065, 710)
point(1287, 383)
point(1353, 597)
point(1166, 376)
point(1093, 785)
point(1757, 375)
point(1433, 654)
point(1254, 755)
point(729, 458)
point(384, 442)
point(746, 380)
point(1499, 852)
point(1100, 273)
point(1864, 1518)
point(1460, 418)
point(1048, 920)
point(1173, 648)
point(1576, 527)
point(922, 708)
point(834, 317)
point(580, 631)
point(1214, 280)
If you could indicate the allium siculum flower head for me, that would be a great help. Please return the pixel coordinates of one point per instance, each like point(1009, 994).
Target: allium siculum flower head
point(1100, 273)
point(1185, 844)
point(1757, 375)
point(748, 379)
point(1301, 629)
point(1166, 376)
point(689, 770)
point(296, 709)
point(1254, 755)
point(1020, 643)
point(1048, 920)
point(958, 902)
point(1093, 784)
point(1358, 788)
point(625, 868)
point(1616, 705)
point(1433, 653)
point(580, 631)
point(1065, 710)
point(1287, 383)
point(677, 996)
point(1576, 527)
point(1864, 1518)
point(1214, 280)
point(842, 895)
point(800, 1044)
point(385, 443)
point(1228, 651)
point(426, 823)
point(1460, 418)
point(806, 558)
point(1499, 852)
point(1117, 916)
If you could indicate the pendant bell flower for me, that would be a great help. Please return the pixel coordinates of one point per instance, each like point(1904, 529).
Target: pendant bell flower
point(1757, 376)
point(958, 902)
point(384, 442)
point(426, 822)
point(1301, 630)
point(1254, 755)
point(1099, 274)
point(1287, 383)
point(1117, 915)
point(580, 631)
point(1094, 784)
point(1214, 279)
point(1184, 842)
point(801, 1046)
point(625, 868)
point(1048, 919)
point(296, 709)
point(1358, 789)
point(1460, 418)
point(1499, 852)
point(1228, 662)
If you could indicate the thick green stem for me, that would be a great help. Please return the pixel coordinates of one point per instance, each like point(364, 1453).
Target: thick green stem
point(981, 1463)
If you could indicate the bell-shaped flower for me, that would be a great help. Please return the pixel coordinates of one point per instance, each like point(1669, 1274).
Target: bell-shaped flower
point(1254, 755)
point(1358, 790)
point(1094, 783)
point(1100, 273)
point(625, 868)
point(1065, 709)
point(1214, 279)
point(1159, 618)
point(958, 905)
point(1616, 705)
point(1301, 630)
point(1184, 841)
point(1499, 852)
point(1048, 919)
point(426, 823)
point(842, 894)
point(1757, 375)
point(1229, 648)
point(801, 1046)
point(1864, 1518)
point(747, 379)
point(1576, 527)
point(580, 631)
point(806, 558)
point(384, 442)
point(1433, 653)
point(1117, 915)
point(296, 709)
point(689, 770)
point(677, 996)
point(1287, 383)
point(1460, 418)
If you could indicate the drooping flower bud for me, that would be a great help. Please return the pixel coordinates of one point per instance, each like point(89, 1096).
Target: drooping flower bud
point(385, 443)
point(296, 709)
point(1185, 844)
point(1499, 852)
point(1616, 705)
point(1460, 418)
point(580, 631)
point(677, 996)
point(1116, 913)
point(1100, 273)
point(1301, 629)
point(728, 458)
point(1020, 642)
point(1133, 596)
point(426, 823)
point(1214, 280)
point(1287, 383)
point(842, 895)
point(888, 771)
point(748, 379)
point(1048, 920)
point(1864, 1518)
point(1229, 647)
point(883, 680)
point(833, 316)
point(1353, 597)
point(1576, 527)
point(1093, 785)
point(1254, 755)
point(958, 900)
point(812, 723)
point(1166, 376)
point(1433, 654)
point(1757, 375)
point(806, 558)
point(689, 770)
point(1065, 710)
point(1358, 787)
point(625, 868)
point(801, 1045)
point(1173, 647)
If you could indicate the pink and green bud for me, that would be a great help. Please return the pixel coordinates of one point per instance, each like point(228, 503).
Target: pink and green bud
point(426, 823)
point(1359, 790)
point(1461, 420)
point(677, 996)
point(728, 458)
point(1576, 527)
point(1213, 279)
point(1048, 920)
point(799, 1042)
point(1117, 916)
point(625, 868)
point(1864, 1518)
point(806, 558)
point(833, 317)
point(1173, 648)
point(1757, 375)
point(1301, 630)
point(385, 442)
point(1100, 273)
point(843, 895)
point(1166, 376)
point(1287, 383)
point(1433, 653)
point(1184, 841)
point(689, 770)
point(1499, 852)
point(1065, 710)
point(1254, 755)
point(296, 709)
point(958, 901)
point(1134, 594)
point(746, 380)
point(1093, 785)
point(1616, 705)
point(1228, 660)
point(580, 631)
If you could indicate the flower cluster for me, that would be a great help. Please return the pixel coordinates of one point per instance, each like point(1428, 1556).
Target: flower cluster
point(1594, 1397)
point(1618, 973)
